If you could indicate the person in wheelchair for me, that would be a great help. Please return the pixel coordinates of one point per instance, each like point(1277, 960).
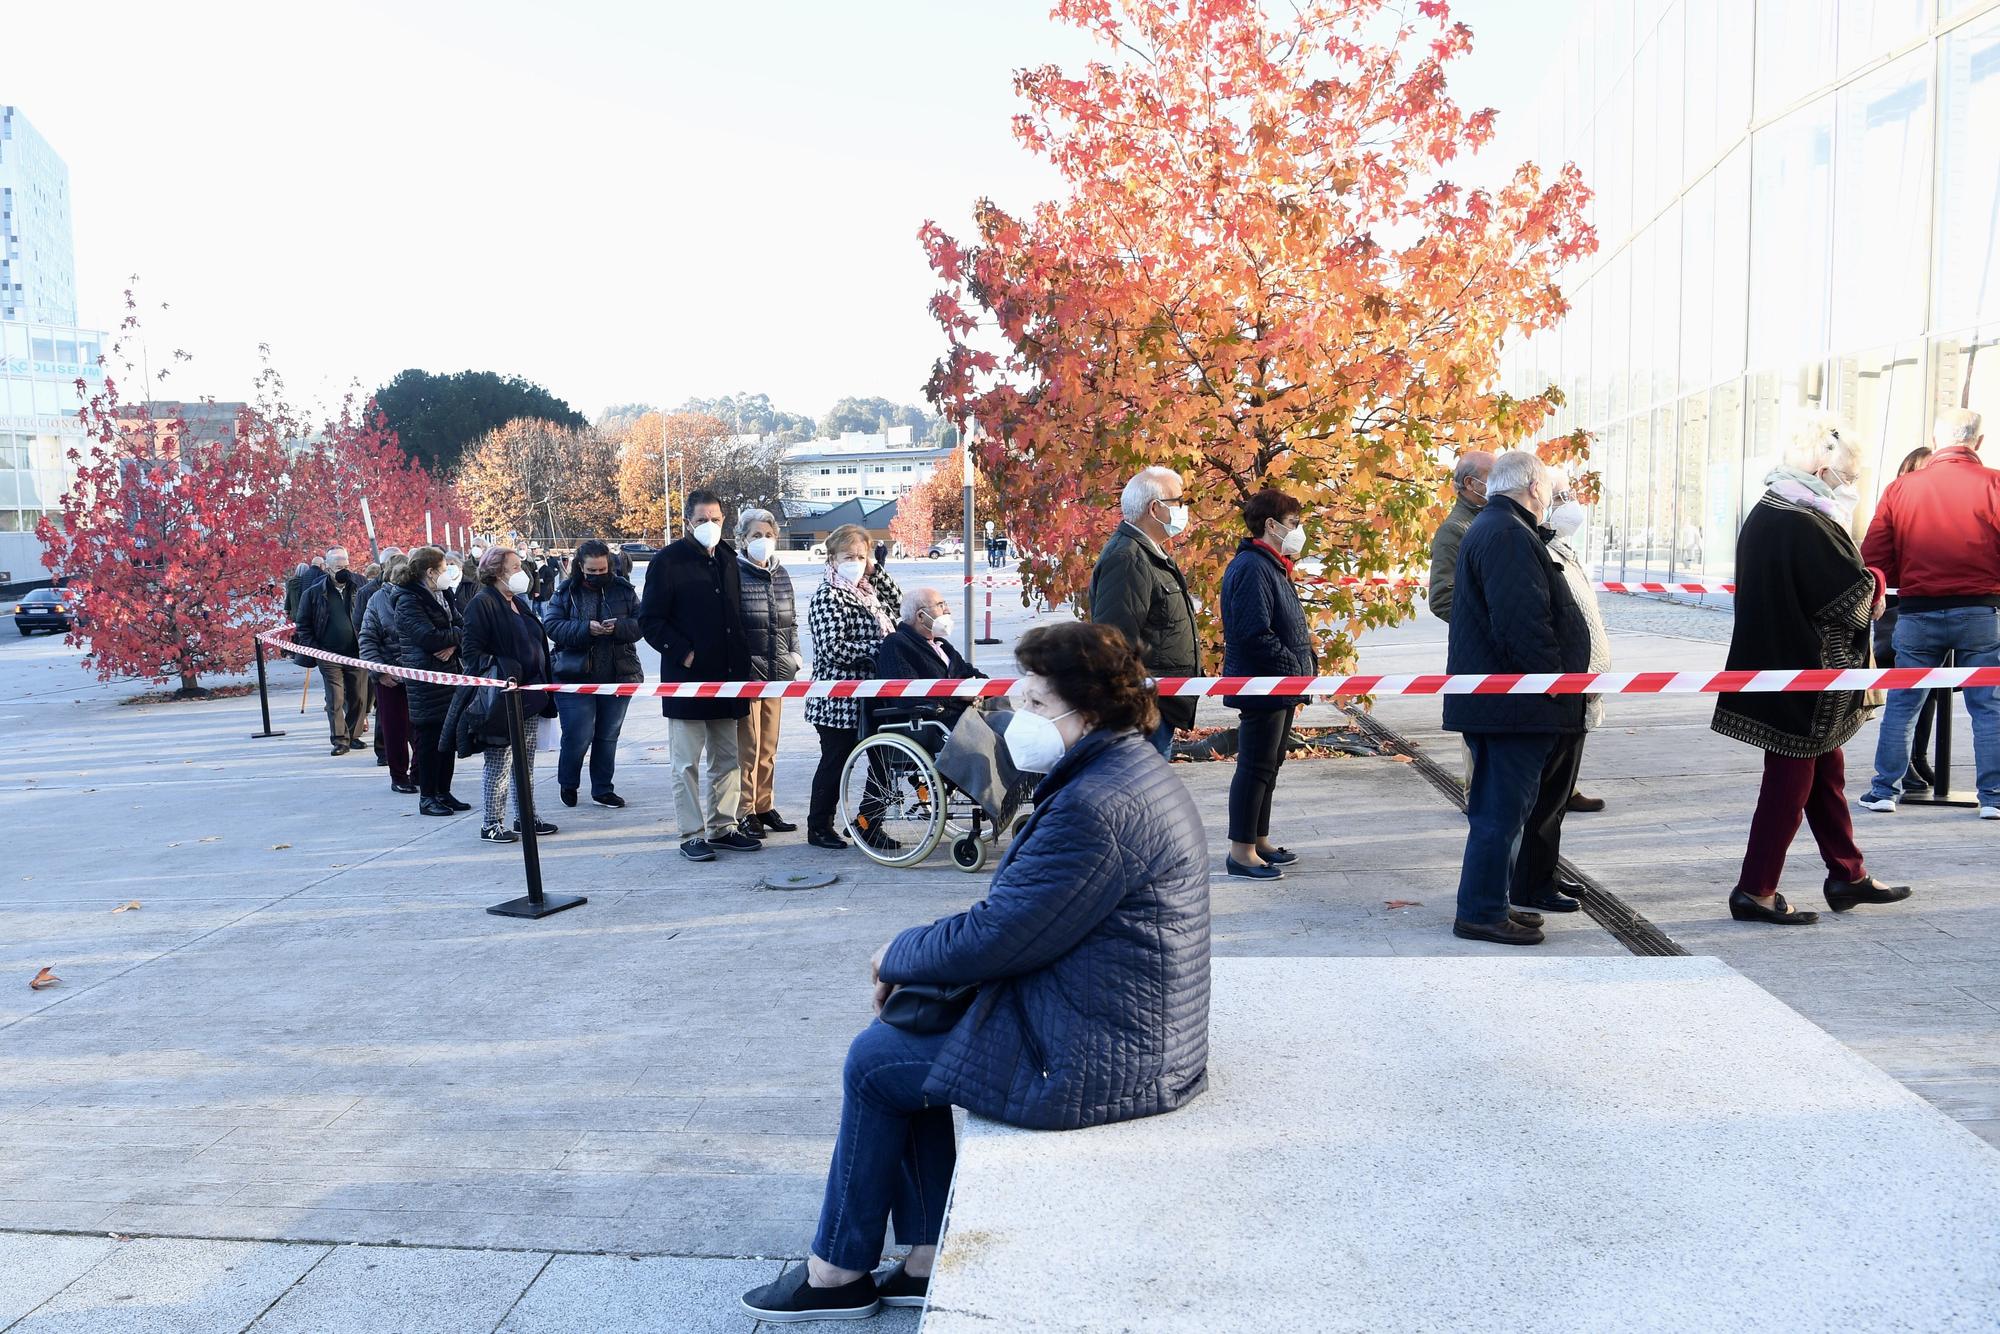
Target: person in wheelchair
point(919, 649)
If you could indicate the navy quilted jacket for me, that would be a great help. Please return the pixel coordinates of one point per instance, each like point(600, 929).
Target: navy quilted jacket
point(1090, 950)
point(1512, 611)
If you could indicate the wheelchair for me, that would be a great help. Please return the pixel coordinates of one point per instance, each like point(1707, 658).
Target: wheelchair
point(895, 803)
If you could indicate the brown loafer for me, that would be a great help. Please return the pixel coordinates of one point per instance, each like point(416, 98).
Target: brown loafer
point(1588, 805)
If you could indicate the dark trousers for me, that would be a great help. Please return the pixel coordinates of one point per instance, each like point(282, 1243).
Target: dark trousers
point(346, 690)
point(1814, 789)
point(435, 762)
point(895, 1153)
point(590, 723)
point(1260, 753)
point(392, 728)
point(1507, 771)
point(1541, 836)
point(835, 744)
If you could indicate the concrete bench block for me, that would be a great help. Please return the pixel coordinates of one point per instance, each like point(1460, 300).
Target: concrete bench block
point(1493, 1144)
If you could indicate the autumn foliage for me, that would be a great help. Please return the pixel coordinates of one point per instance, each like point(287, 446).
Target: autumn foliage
point(700, 451)
point(1258, 274)
point(935, 507)
point(542, 482)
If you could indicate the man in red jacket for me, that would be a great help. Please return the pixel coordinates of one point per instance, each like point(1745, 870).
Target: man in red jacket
point(1936, 539)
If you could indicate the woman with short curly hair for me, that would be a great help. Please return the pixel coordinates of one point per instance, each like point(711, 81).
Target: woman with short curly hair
point(1086, 964)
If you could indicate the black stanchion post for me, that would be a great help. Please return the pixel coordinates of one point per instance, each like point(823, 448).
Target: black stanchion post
point(263, 694)
point(536, 904)
point(1940, 793)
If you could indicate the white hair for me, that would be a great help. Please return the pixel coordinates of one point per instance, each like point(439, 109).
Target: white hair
point(1147, 485)
point(1956, 426)
point(332, 552)
point(749, 517)
point(1515, 473)
point(917, 599)
point(1814, 443)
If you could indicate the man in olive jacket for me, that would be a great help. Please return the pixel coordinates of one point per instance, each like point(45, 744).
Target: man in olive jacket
point(1468, 478)
point(1138, 588)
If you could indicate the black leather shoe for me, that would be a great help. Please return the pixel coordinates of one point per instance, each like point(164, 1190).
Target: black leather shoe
point(432, 806)
point(1519, 918)
point(381, 761)
point(455, 803)
point(569, 796)
point(1508, 932)
point(1548, 900)
point(1279, 857)
point(880, 841)
point(611, 799)
point(1840, 897)
point(1747, 909)
point(752, 826)
point(339, 748)
point(775, 823)
point(407, 789)
point(790, 1299)
point(1266, 872)
point(734, 841)
point(826, 838)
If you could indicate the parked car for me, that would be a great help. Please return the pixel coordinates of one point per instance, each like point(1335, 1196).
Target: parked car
point(48, 609)
point(947, 546)
point(637, 551)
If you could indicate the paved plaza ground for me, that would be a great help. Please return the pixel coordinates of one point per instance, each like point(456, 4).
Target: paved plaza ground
point(321, 1089)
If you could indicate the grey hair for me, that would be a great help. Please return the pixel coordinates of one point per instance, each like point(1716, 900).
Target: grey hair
point(1147, 485)
point(917, 599)
point(1814, 442)
point(331, 552)
point(1476, 463)
point(1515, 472)
point(748, 518)
point(1956, 426)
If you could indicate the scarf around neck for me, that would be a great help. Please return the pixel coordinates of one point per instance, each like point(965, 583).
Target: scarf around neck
point(1807, 489)
point(864, 593)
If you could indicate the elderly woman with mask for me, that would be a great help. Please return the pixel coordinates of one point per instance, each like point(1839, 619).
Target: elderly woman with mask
point(851, 613)
point(1803, 600)
point(771, 624)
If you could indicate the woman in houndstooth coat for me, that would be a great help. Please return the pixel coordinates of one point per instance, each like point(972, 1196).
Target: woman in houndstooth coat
point(851, 613)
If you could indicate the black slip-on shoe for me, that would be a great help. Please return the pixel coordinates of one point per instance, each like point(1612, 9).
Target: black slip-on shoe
point(1548, 900)
point(1744, 908)
point(569, 796)
point(340, 748)
point(406, 789)
point(1840, 897)
point(1519, 918)
point(734, 841)
point(1280, 857)
point(897, 1288)
point(697, 850)
point(1265, 872)
point(455, 803)
point(826, 838)
point(611, 799)
point(432, 806)
point(752, 826)
point(776, 823)
point(1499, 933)
point(791, 1299)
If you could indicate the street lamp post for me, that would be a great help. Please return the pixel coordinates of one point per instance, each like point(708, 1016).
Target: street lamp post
point(965, 452)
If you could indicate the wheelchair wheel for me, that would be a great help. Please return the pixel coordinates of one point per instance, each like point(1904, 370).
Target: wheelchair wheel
point(969, 855)
point(892, 800)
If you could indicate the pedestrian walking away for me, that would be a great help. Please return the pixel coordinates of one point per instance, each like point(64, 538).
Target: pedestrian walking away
point(1074, 994)
point(1936, 540)
point(503, 640)
point(1512, 611)
point(594, 622)
point(692, 612)
point(392, 707)
point(330, 619)
point(849, 616)
point(1137, 587)
point(429, 634)
point(1264, 633)
point(1804, 599)
point(771, 628)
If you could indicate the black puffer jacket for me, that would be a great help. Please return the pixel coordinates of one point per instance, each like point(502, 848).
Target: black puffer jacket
point(1512, 611)
point(478, 720)
point(770, 620)
point(583, 656)
point(1090, 950)
point(378, 628)
point(426, 624)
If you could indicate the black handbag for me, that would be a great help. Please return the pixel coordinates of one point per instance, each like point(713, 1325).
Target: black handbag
point(928, 1007)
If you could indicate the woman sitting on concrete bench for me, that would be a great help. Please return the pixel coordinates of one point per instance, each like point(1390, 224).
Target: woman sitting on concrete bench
point(1075, 993)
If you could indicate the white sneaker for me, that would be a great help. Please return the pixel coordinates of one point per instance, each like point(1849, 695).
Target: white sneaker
point(1883, 804)
point(1989, 812)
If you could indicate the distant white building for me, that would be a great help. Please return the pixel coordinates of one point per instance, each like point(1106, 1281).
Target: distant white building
point(818, 475)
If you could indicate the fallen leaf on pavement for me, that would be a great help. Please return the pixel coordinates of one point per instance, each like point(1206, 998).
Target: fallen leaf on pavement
point(45, 978)
point(117, 1236)
point(212, 838)
point(125, 907)
point(1404, 759)
point(279, 847)
point(1401, 903)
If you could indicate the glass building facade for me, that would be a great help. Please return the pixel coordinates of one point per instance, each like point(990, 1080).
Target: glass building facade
point(1797, 207)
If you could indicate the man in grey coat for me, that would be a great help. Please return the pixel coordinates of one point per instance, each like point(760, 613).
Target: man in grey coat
point(1468, 478)
point(1138, 589)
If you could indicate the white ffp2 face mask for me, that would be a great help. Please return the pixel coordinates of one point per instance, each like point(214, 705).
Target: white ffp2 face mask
point(517, 582)
point(1177, 519)
point(760, 549)
point(851, 570)
point(708, 534)
point(1568, 519)
point(941, 626)
point(1295, 541)
point(1033, 742)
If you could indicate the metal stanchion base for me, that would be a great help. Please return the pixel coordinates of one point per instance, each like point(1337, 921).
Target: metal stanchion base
point(258, 736)
point(985, 641)
point(527, 907)
point(1939, 801)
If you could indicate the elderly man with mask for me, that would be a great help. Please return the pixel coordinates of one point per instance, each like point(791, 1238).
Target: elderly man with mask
point(1468, 479)
point(1138, 588)
point(1514, 612)
point(330, 619)
point(920, 649)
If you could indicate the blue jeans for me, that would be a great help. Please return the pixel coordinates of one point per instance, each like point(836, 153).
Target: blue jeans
point(895, 1153)
point(1922, 639)
point(1163, 738)
point(592, 723)
point(1506, 776)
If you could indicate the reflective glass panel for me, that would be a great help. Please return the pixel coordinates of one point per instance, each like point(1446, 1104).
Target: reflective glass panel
point(1725, 465)
point(1689, 535)
point(1873, 28)
point(1882, 223)
point(1795, 47)
point(1791, 210)
point(1968, 248)
point(1882, 402)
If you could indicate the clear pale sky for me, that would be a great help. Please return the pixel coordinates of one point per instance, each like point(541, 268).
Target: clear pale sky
point(621, 200)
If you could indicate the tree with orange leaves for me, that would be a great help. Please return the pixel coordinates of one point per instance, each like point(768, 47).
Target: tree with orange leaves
point(1257, 275)
point(935, 507)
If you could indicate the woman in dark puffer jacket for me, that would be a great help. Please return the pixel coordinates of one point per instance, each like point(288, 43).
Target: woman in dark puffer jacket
point(1090, 956)
point(428, 634)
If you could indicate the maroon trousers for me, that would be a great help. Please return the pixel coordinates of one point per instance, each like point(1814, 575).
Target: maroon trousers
point(392, 715)
point(1813, 789)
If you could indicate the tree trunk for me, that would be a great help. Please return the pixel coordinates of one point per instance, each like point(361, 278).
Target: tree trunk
point(189, 687)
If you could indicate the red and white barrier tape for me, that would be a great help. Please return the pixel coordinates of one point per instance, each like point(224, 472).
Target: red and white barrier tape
point(1386, 581)
point(1814, 680)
